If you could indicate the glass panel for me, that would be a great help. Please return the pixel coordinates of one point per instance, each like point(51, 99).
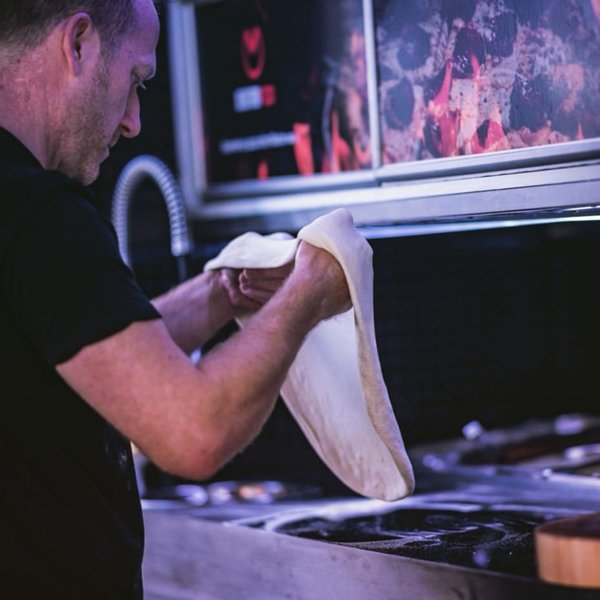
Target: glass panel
point(284, 88)
point(461, 77)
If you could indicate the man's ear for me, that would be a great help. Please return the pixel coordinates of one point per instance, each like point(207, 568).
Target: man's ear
point(80, 42)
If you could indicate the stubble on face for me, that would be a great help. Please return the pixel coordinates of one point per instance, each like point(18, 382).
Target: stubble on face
point(85, 136)
point(94, 121)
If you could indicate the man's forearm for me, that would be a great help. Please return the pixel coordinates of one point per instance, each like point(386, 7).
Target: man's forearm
point(194, 311)
point(249, 369)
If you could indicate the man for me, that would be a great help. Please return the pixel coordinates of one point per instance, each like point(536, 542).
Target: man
point(87, 362)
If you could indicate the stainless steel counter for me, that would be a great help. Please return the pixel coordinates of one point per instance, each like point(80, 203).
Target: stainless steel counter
point(467, 533)
point(213, 554)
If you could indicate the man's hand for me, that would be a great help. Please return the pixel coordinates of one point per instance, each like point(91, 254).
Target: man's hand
point(323, 280)
point(249, 289)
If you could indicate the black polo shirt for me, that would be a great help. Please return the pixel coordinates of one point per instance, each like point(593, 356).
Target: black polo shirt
point(70, 517)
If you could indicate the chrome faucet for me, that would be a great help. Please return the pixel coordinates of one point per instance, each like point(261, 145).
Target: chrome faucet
point(133, 173)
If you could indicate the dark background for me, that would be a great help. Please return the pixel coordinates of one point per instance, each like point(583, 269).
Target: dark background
point(498, 325)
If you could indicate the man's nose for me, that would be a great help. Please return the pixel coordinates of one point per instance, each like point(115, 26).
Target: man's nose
point(131, 124)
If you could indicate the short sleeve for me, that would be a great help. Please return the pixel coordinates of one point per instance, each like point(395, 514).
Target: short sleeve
point(69, 285)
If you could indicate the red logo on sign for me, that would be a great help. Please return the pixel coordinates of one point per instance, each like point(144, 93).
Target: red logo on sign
point(269, 95)
point(253, 52)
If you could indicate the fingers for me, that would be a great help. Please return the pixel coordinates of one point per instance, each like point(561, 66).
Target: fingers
point(259, 297)
point(248, 283)
point(249, 289)
point(261, 284)
point(267, 275)
point(238, 300)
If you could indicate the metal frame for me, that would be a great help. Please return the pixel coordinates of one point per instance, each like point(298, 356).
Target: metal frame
point(372, 79)
point(185, 97)
point(541, 180)
point(564, 190)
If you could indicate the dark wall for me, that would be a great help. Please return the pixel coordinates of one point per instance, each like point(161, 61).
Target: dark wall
point(497, 326)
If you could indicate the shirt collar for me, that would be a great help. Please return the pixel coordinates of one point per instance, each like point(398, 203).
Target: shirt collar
point(12, 149)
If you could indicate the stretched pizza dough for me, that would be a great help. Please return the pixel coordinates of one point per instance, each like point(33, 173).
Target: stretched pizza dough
point(335, 388)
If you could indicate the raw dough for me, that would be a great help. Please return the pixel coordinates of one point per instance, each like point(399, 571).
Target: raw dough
point(335, 388)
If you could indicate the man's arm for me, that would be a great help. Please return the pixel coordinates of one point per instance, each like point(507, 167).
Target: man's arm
point(191, 420)
point(195, 310)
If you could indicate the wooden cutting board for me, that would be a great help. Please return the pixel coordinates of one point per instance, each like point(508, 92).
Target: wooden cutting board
point(568, 551)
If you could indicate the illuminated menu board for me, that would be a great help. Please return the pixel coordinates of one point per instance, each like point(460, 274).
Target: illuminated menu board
point(460, 77)
point(284, 88)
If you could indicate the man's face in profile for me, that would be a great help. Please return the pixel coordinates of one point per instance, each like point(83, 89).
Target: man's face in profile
point(106, 104)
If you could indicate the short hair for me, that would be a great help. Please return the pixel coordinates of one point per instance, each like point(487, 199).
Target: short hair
point(25, 23)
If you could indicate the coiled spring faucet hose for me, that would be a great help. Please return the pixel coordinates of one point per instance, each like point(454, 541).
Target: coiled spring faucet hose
point(134, 172)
